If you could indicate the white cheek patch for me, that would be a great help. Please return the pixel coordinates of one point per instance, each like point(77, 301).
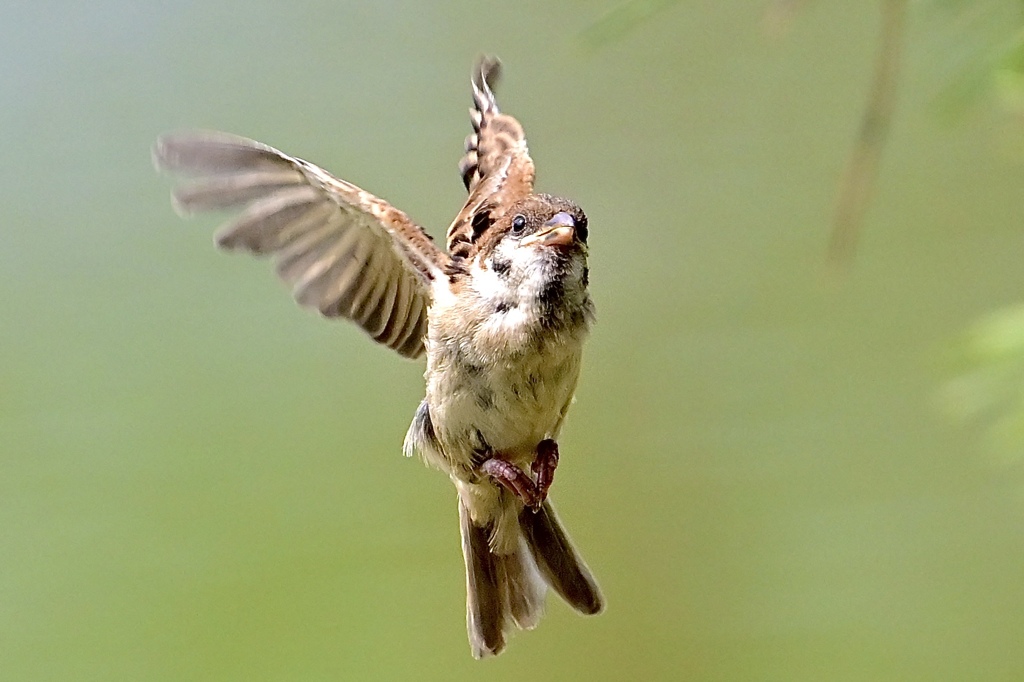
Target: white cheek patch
point(502, 285)
point(490, 286)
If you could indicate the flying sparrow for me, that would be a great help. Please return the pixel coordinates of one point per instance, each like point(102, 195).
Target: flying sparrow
point(501, 317)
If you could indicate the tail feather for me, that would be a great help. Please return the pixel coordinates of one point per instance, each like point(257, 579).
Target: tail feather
point(522, 587)
point(508, 589)
point(485, 608)
point(558, 561)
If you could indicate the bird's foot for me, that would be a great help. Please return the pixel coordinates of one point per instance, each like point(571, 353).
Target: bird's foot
point(544, 466)
point(514, 479)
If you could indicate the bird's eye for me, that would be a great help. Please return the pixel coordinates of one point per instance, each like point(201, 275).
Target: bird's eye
point(518, 224)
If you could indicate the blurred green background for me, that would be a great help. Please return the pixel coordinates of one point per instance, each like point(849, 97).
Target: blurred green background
point(200, 481)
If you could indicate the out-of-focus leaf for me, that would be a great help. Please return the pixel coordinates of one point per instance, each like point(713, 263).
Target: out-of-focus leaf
point(1008, 76)
point(988, 391)
point(999, 337)
point(989, 44)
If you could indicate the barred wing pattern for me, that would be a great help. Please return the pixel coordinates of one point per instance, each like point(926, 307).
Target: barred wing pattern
point(496, 168)
point(343, 250)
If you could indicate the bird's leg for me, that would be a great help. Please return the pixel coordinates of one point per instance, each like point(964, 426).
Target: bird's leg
point(517, 481)
point(544, 466)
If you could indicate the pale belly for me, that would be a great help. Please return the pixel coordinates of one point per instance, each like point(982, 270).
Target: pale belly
point(505, 408)
point(501, 370)
point(498, 383)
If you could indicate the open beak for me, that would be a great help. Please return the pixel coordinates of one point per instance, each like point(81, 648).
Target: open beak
point(559, 231)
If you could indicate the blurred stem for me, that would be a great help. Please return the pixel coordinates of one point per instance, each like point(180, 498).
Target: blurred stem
point(861, 174)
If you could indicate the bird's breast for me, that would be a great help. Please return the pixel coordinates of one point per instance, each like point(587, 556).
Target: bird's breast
point(505, 407)
point(497, 379)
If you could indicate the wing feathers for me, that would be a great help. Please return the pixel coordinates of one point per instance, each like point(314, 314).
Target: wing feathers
point(213, 153)
point(305, 252)
point(409, 336)
point(345, 251)
point(496, 168)
point(271, 222)
point(386, 309)
point(335, 284)
point(315, 282)
point(391, 333)
point(230, 191)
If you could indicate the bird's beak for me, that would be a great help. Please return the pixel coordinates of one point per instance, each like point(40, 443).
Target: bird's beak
point(559, 231)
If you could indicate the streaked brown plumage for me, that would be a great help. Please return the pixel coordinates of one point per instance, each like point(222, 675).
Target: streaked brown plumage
point(502, 317)
point(496, 169)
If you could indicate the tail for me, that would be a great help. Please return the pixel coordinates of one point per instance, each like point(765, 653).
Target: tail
point(506, 589)
point(559, 562)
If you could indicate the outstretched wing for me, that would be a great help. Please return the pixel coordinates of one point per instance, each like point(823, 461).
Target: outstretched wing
point(345, 251)
point(497, 168)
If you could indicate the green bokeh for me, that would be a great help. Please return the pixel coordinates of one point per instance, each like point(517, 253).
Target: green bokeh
point(199, 481)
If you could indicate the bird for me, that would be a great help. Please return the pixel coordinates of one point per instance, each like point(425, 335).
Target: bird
point(501, 316)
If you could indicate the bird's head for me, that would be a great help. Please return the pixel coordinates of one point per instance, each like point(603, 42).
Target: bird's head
point(537, 236)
